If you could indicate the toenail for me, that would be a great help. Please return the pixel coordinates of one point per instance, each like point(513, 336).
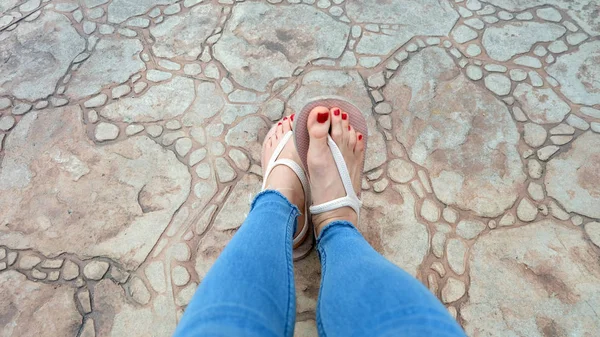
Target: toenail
point(279, 123)
point(349, 128)
point(336, 112)
point(292, 117)
point(344, 116)
point(285, 118)
point(359, 137)
point(322, 117)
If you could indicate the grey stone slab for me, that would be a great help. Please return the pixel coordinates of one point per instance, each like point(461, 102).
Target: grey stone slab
point(185, 35)
point(541, 105)
point(35, 304)
point(120, 11)
point(584, 12)
point(446, 124)
point(577, 72)
point(498, 84)
point(140, 183)
point(510, 261)
point(113, 62)
point(160, 102)
point(462, 34)
point(33, 59)
point(505, 41)
point(276, 49)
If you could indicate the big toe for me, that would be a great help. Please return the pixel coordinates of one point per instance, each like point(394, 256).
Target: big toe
point(318, 124)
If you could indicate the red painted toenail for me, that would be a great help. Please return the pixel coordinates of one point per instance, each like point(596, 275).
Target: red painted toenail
point(279, 123)
point(349, 128)
point(359, 137)
point(292, 117)
point(285, 118)
point(344, 116)
point(322, 117)
point(336, 112)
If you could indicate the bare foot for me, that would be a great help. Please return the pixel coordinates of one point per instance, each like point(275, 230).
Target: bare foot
point(325, 181)
point(282, 178)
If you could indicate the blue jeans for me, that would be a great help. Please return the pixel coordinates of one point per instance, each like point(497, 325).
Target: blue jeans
point(249, 291)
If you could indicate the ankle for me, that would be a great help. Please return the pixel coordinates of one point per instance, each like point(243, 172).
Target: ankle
point(320, 221)
point(293, 196)
point(285, 182)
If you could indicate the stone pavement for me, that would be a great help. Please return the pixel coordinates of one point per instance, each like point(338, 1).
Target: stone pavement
point(131, 132)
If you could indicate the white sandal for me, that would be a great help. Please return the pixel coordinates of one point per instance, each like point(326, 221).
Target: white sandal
point(351, 199)
point(300, 244)
point(302, 140)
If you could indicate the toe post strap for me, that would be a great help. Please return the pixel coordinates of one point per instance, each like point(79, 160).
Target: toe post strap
point(274, 162)
point(351, 199)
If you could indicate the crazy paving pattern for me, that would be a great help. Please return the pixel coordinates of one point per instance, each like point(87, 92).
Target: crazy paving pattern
point(130, 136)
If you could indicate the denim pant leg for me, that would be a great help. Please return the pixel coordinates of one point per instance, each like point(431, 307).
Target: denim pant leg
point(363, 294)
point(249, 291)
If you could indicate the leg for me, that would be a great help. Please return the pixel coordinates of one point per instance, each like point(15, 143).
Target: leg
point(249, 291)
point(363, 294)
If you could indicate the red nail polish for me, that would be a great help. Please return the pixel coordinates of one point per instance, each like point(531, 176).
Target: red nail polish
point(336, 112)
point(349, 128)
point(322, 117)
point(359, 137)
point(285, 118)
point(292, 117)
point(279, 123)
point(344, 116)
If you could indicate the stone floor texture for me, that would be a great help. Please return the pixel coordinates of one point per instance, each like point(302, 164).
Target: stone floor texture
point(130, 136)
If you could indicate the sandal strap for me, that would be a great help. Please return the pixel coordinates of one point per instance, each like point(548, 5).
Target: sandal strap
point(351, 199)
point(284, 140)
point(297, 169)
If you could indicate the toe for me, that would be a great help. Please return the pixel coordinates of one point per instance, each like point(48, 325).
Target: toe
point(337, 133)
point(345, 120)
point(279, 130)
point(359, 148)
point(286, 125)
point(267, 143)
point(351, 139)
point(267, 148)
point(318, 124)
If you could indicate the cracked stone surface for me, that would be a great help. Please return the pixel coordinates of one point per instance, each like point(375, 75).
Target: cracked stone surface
point(584, 12)
point(121, 10)
point(7, 5)
point(543, 106)
point(572, 176)
point(184, 35)
point(578, 72)
point(405, 243)
point(27, 304)
point(504, 41)
point(131, 135)
point(118, 317)
point(277, 50)
point(462, 147)
point(48, 161)
point(34, 58)
point(113, 63)
point(438, 21)
point(160, 102)
point(542, 275)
